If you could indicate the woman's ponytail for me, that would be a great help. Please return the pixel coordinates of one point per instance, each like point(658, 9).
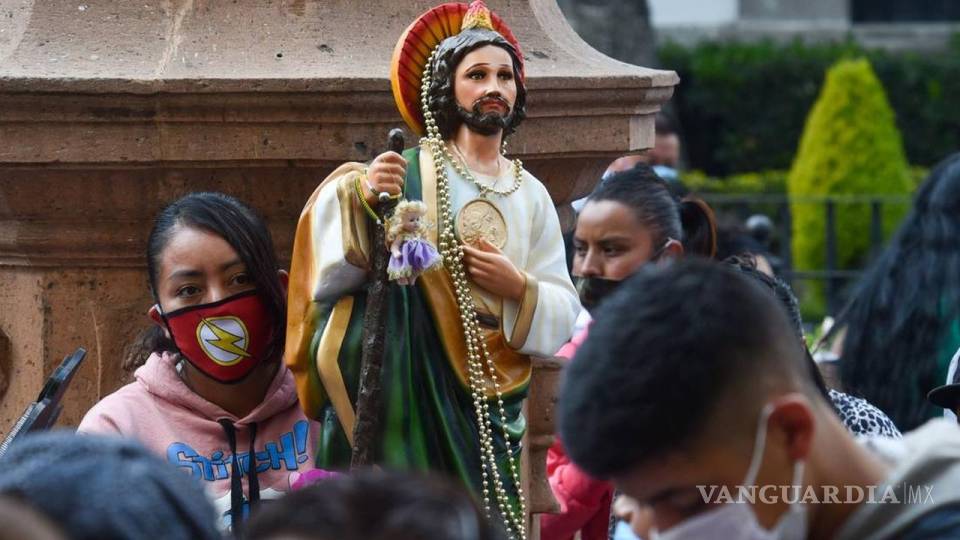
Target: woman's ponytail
point(699, 227)
point(148, 341)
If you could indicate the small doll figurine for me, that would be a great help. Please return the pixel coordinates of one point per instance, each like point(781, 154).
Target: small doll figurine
point(411, 253)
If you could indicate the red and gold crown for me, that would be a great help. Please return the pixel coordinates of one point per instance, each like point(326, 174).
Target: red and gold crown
point(422, 37)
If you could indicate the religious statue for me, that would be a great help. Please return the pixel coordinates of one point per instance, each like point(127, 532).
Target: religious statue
point(458, 338)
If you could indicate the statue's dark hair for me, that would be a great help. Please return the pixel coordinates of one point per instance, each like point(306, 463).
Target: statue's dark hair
point(903, 306)
point(440, 97)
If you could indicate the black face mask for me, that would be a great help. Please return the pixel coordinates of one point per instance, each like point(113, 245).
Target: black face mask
point(593, 290)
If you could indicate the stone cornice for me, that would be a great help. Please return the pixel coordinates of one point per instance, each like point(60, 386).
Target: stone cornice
point(99, 216)
point(191, 46)
point(324, 126)
point(198, 80)
point(86, 244)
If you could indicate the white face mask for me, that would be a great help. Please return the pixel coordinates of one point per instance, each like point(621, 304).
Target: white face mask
point(736, 520)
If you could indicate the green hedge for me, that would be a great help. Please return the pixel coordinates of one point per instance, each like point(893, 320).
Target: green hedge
point(742, 105)
point(751, 183)
point(743, 184)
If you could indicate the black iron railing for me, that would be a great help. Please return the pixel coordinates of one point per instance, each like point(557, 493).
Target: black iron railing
point(778, 240)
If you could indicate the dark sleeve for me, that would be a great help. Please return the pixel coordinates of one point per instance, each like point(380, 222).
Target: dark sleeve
point(943, 523)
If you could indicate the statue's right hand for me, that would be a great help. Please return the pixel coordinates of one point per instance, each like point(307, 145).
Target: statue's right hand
point(384, 175)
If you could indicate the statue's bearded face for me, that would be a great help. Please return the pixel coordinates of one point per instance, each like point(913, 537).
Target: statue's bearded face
point(475, 81)
point(485, 90)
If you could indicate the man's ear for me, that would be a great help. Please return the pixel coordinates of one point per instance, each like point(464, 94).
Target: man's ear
point(794, 414)
point(284, 279)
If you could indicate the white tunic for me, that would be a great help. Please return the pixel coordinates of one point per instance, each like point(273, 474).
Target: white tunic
point(534, 245)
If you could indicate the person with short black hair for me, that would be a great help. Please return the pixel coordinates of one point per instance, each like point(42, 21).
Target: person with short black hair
point(374, 505)
point(663, 159)
point(95, 487)
point(691, 377)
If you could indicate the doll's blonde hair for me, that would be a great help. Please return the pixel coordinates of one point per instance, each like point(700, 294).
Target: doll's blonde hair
point(395, 223)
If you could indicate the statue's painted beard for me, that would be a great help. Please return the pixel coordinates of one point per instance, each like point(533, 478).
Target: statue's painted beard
point(486, 123)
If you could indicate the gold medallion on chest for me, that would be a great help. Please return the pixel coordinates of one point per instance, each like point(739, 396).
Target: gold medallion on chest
point(478, 219)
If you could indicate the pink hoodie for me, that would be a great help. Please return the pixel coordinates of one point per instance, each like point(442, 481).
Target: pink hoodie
point(176, 423)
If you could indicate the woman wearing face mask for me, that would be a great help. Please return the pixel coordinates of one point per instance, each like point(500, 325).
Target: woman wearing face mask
point(630, 220)
point(214, 397)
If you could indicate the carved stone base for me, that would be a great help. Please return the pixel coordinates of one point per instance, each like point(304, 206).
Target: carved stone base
point(539, 410)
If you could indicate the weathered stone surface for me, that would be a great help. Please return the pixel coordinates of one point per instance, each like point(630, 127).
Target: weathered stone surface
point(5, 365)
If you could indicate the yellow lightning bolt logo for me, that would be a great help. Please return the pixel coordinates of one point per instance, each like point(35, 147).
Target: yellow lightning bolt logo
point(224, 340)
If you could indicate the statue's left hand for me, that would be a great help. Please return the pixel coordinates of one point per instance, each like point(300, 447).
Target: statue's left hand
point(493, 272)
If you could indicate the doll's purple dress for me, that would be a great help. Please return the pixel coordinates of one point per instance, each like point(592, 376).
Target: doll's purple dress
point(416, 255)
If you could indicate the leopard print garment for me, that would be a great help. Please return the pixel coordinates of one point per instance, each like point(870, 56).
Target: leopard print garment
point(862, 418)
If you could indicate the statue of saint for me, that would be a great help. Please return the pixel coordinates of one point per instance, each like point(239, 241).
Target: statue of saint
point(458, 338)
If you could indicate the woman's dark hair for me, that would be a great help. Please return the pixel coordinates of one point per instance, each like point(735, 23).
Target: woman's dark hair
point(246, 233)
point(374, 505)
point(147, 341)
point(689, 220)
point(440, 96)
point(747, 265)
point(897, 320)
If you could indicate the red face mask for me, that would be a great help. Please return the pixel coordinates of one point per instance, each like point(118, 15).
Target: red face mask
point(226, 339)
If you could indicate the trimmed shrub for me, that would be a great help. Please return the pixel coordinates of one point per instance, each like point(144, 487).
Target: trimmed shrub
point(850, 146)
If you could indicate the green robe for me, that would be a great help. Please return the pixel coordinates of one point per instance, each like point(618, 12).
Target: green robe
point(429, 421)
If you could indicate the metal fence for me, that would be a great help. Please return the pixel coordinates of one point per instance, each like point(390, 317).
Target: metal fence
point(778, 240)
